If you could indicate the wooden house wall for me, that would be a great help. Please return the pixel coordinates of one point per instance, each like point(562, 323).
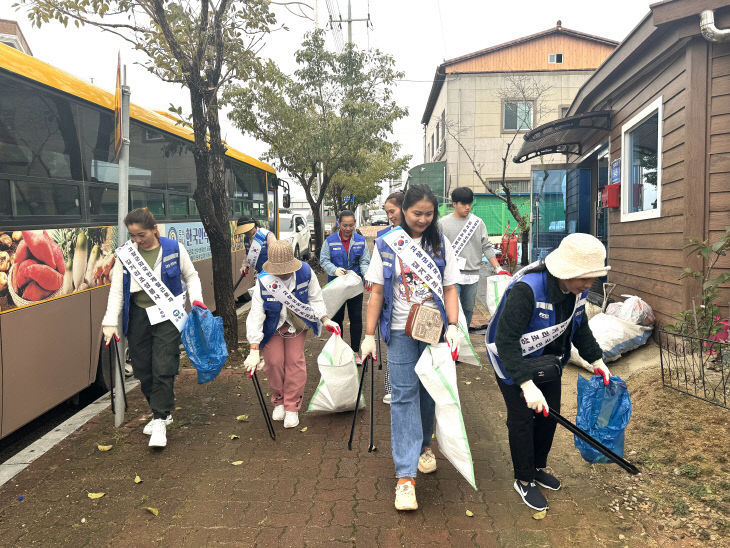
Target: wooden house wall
point(646, 256)
point(718, 203)
point(578, 54)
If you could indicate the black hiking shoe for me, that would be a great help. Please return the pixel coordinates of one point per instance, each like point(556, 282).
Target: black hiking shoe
point(531, 495)
point(548, 481)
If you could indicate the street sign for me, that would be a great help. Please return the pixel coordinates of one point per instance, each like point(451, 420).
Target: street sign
point(616, 171)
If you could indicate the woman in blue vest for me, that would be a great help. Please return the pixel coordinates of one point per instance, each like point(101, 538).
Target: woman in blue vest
point(542, 296)
point(396, 287)
point(280, 332)
point(153, 348)
point(342, 251)
point(392, 207)
point(249, 227)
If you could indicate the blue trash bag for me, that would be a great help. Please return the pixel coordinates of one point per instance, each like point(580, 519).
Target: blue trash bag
point(603, 412)
point(204, 343)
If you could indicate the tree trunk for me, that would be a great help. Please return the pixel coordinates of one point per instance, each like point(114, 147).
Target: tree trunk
point(315, 205)
point(212, 201)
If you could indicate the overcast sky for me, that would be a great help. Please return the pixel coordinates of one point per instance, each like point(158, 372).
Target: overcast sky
point(420, 34)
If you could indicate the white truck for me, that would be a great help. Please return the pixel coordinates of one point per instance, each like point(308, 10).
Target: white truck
point(294, 229)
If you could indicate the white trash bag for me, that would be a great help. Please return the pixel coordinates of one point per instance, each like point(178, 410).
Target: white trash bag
point(633, 310)
point(615, 337)
point(437, 372)
point(337, 389)
point(340, 290)
point(496, 286)
point(467, 353)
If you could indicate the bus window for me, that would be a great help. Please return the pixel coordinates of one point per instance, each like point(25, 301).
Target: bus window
point(154, 201)
point(37, 133)
point(50, 199)
point(177, 205)
point(96, 132)
point(103, 200)
point(5, 210)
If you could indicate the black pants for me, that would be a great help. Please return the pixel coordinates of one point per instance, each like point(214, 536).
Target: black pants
point(530, 434)
point(354, 313)
point(155, 354)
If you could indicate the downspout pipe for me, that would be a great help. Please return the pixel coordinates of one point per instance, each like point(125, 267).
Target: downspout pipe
point(708, 29)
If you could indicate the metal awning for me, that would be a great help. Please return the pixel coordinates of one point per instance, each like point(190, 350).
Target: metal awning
point(565, 135)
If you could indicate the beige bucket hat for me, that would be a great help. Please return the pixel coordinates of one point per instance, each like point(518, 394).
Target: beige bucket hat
point(578, 256)
point(281, 259)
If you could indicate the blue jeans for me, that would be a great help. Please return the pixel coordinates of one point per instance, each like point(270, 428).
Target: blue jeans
point(467, 295)
point(411, 409)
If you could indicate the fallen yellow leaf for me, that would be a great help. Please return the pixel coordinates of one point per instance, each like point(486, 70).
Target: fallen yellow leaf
point(104, 447)
point(96, 495)
point(539, 515)
point(234, 437)
point(304, 429)
point(477, 378)
point(137, 479)
point(242, 418)
point(469, 513)
point(151, 510)
point(237, 463)
point(467, 382)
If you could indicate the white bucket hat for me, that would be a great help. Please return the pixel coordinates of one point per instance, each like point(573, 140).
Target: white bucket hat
point(578, 256)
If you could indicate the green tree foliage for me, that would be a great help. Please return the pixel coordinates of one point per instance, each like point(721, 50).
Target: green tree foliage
point(201, 45)
point(326, 119)
point(363, 186)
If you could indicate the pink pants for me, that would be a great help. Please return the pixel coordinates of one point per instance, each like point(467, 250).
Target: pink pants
point(286, 369)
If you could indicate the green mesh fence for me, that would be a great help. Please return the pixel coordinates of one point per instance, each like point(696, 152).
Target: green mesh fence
point(493, 212)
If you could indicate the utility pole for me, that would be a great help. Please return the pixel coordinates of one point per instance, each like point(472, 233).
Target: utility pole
point(350, 20)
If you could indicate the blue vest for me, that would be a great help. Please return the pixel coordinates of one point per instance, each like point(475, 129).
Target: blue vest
point(348, 261)
point(260, 237)
point(543, 317)
point(384, 231)
point(272, 307)
point(389, 257)
point(170, 276)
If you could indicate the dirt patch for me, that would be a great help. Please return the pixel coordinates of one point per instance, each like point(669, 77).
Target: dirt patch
point(681, 446)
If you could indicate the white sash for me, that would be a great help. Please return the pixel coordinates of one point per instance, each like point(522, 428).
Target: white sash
point(534, 341)
point(168, 307)
point(277, 288)
point(416, 258)
point(255, 250)
point(465, 234)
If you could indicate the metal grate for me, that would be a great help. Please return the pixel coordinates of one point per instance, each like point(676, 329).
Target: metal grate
point(696, 366)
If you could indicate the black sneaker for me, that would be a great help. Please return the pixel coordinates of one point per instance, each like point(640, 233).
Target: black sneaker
point(531, 495)
point(548, 481)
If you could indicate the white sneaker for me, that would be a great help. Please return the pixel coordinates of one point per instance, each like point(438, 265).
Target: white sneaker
point(278, 414)
point(158, 437)
point(387, 398)
point(291, 419)
point(148, 427)
point(427, 462)
point(405, 496)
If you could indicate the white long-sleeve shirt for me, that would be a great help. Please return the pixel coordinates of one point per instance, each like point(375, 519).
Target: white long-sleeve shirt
point(188, 274)
point(257, 315)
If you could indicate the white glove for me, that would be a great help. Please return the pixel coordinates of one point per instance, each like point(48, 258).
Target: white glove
point(252, 362)
point(368, 348)
point(452, 339)
point(534, 397)
point(332, 327)
point(244, 269)
point(599, 368)
point(109, 332)
point(339, 271)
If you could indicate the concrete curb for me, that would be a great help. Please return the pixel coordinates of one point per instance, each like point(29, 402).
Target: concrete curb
point(21, 460)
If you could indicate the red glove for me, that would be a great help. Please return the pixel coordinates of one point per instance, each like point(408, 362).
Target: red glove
point(504, 272)
point(200, 304)
point(244, 270)
point(332, 327)
point(368, 286)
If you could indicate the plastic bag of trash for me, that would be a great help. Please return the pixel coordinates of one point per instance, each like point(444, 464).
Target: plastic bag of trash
point(633, 310)
point(340, 290)
point(467, 353)
point(437, 372)
point(604, 413)
point(337, 389)
point(496, 286)
point(615, 337)
point(204, 343)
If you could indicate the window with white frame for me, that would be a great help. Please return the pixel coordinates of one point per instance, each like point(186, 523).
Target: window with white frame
point(641, 164)
point(517, 115)
point(554, 58)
